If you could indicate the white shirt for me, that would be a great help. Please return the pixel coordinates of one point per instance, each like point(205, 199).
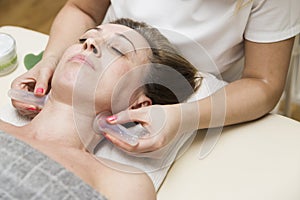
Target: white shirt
point(209, 32)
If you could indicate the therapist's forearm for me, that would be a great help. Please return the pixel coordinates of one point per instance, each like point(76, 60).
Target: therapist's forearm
point(241, 101)
point(64, 31)
point(70, 23)
point(259, 90)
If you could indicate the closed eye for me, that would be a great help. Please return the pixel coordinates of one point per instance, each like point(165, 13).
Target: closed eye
point(117, 51)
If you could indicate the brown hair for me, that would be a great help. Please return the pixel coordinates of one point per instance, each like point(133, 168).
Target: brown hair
point(171, 78)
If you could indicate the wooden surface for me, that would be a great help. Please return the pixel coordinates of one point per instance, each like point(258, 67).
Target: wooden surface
point(38, 15)
point(295, 110)
point(33, 14)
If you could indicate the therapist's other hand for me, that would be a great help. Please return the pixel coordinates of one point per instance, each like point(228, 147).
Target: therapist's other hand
point(163, 122)
point(35, 80)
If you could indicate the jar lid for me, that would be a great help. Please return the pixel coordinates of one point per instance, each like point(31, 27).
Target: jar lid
point(7, 44)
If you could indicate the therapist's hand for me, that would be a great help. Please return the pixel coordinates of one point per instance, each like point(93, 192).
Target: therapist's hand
point(163, 122)
point(35, 80)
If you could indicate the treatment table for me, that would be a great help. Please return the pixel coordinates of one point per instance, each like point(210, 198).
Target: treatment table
point(258, 160)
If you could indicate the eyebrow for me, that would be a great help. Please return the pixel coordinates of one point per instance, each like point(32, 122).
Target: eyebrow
point(118, 34)
point(95, 28)
point(126, 38)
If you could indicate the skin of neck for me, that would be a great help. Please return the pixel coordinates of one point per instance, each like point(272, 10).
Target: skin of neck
point(59, 123)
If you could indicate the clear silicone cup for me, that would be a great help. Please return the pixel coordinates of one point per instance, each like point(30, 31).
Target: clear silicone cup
point(27, 97)
point(118, 131)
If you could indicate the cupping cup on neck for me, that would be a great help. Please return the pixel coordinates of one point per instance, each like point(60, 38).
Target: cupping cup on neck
point(128, 135)
point(27, 97)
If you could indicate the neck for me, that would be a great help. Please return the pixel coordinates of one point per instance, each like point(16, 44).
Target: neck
point(59, 123)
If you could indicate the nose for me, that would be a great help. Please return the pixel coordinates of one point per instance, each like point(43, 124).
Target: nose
point(90, 45)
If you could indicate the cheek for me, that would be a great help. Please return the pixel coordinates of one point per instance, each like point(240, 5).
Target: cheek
point(119, 68)
point(124, 87)
point(65, 75)
point(114, 73)
point(109, 84)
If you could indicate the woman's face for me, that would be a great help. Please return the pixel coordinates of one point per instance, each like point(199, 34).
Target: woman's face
point(108, 60)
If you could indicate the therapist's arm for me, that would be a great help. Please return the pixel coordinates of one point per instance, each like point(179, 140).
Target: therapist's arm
point(259, 89)
point(70, 23)
point(251, 97)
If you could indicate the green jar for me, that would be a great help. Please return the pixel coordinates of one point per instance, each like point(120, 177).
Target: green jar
point(8, 55)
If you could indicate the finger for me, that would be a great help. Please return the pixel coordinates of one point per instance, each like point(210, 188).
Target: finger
point(23, 83)
point(136, 115)
point(119, 143)
point(42, 81)
point(23, 106)
point(148, 145)
point(25, 109)
point(144, 145)
point(27, 114)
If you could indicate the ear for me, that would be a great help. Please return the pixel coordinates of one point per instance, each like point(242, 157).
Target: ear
point(141, 101)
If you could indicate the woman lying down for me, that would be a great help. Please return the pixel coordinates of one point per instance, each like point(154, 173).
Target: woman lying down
point(114, 67)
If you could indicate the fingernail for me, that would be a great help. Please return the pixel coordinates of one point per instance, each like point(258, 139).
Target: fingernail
point(40, 90)
point(31, 108)
point(111, 118)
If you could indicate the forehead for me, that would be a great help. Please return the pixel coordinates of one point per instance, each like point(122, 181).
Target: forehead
point(135, 37)
point(118, 28)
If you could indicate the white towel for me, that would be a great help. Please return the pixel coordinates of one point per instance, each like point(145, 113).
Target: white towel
point(9, 114)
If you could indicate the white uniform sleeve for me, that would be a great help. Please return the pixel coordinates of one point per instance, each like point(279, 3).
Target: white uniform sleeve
point(273, 20)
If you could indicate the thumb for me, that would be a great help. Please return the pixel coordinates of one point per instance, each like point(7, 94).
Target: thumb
point(42, 81)
point(131, 115)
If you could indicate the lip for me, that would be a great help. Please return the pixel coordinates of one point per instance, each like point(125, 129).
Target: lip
point(80, 58)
